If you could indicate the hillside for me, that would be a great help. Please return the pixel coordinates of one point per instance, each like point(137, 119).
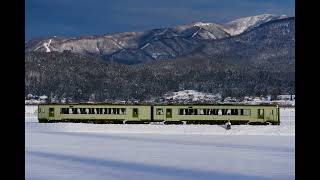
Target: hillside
point(259, 61)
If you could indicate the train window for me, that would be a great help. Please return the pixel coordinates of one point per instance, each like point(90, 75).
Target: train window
point(205, 111)
point(123, 111)
point(83, 111)
point(135, 112)
point(201, 112)
point(91, 110)
point(234, 112)
point(241, 112)
point(219, 112)
point(228, 111)
point(74, 110)
point(159, 111)
point(195, 111)
point(64, 111)
point(181, 112)
point(224, 111)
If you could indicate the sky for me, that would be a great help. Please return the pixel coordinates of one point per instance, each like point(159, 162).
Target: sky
point(69, 18)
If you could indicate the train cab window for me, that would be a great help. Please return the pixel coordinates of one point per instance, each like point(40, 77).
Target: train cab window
point(159, 111)
point(135, 112)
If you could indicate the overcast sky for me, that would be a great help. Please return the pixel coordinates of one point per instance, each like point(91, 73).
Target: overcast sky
point(93, 17)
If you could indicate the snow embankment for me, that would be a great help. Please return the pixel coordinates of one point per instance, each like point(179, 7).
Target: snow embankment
point(67, 151)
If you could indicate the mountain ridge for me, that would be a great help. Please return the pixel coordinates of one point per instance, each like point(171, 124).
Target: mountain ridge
point(140, 47)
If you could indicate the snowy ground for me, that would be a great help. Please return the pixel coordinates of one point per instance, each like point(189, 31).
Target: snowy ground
point(96, 151)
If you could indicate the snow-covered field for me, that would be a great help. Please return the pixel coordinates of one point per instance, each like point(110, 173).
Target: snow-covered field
point(99, 151)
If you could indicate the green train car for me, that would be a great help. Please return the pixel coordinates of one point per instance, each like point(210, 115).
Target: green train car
point(168, 114)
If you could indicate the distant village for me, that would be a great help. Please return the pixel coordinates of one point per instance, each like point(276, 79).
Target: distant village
point(180, 97)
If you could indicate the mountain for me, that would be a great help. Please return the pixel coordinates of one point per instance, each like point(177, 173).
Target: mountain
point(151, 45)
point(241, 25)
point(258, 61)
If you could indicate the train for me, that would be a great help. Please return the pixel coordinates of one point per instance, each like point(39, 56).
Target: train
point(165, 114)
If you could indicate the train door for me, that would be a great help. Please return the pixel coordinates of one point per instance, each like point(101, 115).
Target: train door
point(135, 112)
point(169, 113)
point(51, 112)
point(261, 113)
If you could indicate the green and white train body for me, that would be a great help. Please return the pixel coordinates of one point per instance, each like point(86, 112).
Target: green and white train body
point(169, 114)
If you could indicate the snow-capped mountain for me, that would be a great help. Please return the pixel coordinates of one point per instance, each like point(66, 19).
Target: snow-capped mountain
point(150, 45)
point(259, 61)
point(241, 25)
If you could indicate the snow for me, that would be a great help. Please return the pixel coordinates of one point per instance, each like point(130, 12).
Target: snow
point(191, 94)
point(196, 32)
point(242, 24)
point(98, 151)
point(201, 24)
point(146, 45)
point(46, 45)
